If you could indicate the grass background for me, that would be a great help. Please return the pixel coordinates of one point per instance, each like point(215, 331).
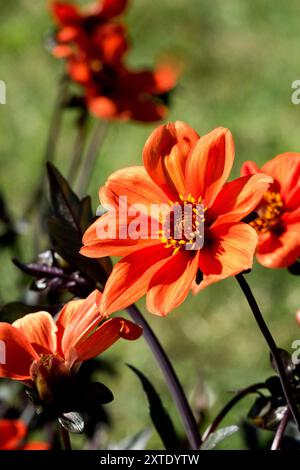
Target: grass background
point(240, 61)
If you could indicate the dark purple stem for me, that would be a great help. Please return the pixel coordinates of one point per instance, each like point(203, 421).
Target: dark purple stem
point(281, 430)
point(239, 396)
point(171, 378)
point(66, 439)
point(285, 383)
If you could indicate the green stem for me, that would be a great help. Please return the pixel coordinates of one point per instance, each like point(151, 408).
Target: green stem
point(97, 139)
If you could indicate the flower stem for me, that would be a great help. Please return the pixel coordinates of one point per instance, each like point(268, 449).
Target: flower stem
point(239, 396)
point(171, 378)
point(79, 144)
point(53, 135)
point(285, 383)
point(280, 430)
point(66, 438)
point(97, 140)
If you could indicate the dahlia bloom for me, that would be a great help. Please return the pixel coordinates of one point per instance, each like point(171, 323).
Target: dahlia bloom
point(89, 36)
point(12, 433)
point(45, 354)
point(121, 93)
point(180, 168)
point(278, 222)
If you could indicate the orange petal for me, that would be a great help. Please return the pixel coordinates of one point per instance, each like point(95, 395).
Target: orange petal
point(64, 319)
point(65, 13)
point(249, 168)
point(279, 251)
point(229, 251)
point(209, 165)
point(107, 334)
point(83, 320)
point(40, 330)
point(165, 154)
point(130, 277)
point(285, 169)
point(35, 446)
point(172, 282)
point(134, 183)
point(12, 431)
point(292, 199)
point(111, 8)
point(102, 238)
point(19, 354)
point(239, 197)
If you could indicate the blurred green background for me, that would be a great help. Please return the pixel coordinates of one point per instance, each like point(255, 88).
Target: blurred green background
point(240, 60)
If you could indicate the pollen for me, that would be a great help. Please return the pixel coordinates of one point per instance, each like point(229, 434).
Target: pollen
point(269, 212)
point(184, 225)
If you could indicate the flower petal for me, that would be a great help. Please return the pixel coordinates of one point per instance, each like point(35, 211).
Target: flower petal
point(130, 277)
point(172, 282)
point(107, 334)
point(238, 198)
point(112, 8)
point(285, 169)
point(18, 353)
point(65, 13)
point(111, 235)
point(134, 183)
point(165, 154)
point(249, 168)
point(12, 431)
point(40, 330)
point(228, 251)
point(279, 251)
point(209, 165)
point(81, 321)
point(35, 445)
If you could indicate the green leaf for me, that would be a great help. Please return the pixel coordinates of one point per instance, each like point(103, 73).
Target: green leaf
point(137, 442)
point(159, 416)
point(216, 437)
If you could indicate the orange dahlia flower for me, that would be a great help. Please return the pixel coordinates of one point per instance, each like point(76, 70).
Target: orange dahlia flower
point(278, 222)
point(89, 37)
point(45, 354)
point(179, 168)
point(121, 93)
point(12, 433)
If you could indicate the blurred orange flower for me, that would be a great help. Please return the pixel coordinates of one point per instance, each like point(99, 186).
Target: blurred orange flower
point(120, 93)
point(179, 168)
point(94, 49)
point(89, 34)
point(40, 351)
point(278, 222)
point(12, 433)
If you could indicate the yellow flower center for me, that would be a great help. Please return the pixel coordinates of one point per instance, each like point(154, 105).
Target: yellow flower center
point(269, 212)
point(184, 226)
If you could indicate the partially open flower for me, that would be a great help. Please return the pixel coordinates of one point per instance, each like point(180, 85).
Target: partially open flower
point(12, 434)
point(278, 222)
point(46, 354)
point(180, 170)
